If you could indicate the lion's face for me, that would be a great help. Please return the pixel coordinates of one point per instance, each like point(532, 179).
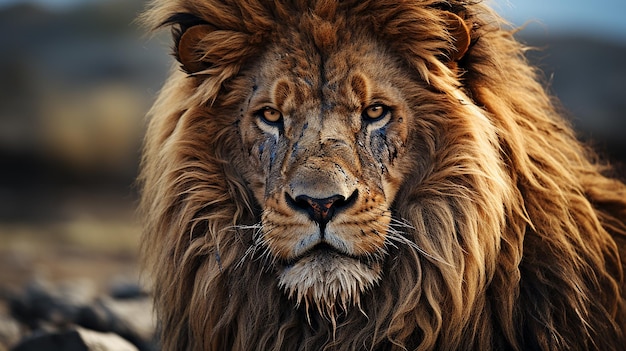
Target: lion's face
point(326, 151)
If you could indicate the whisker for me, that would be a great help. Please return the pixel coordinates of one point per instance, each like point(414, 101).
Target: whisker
point(398, 237)
point(256, 243)
point(396, 234)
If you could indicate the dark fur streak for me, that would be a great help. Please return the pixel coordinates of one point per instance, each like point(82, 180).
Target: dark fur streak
point(261, 149)
point(218, 259)
point(183, 20)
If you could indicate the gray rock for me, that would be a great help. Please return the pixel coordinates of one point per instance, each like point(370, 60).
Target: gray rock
point(9, 331)
point(43, 303)
point(62, 341)
point(132, 319)
point(78, 339)
point(50, 314)
point(104, 341)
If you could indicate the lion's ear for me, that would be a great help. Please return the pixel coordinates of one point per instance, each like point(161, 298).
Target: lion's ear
point(189, 51)
point(460, 32)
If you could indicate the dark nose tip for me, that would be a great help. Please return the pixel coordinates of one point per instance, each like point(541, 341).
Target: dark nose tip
point(322, 210)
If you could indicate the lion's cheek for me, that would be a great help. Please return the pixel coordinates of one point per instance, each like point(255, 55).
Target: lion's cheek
point(366, 236)
point(391, 184)
point(286, 242)
point(387, 160)
point(261, 170)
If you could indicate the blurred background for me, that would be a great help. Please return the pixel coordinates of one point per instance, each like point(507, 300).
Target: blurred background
point(78, 76)
point(76, 79)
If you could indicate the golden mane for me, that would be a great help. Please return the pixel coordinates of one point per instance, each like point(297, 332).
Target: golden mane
point(541, 266)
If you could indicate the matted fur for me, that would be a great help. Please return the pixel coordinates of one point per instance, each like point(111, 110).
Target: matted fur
point(504, 233)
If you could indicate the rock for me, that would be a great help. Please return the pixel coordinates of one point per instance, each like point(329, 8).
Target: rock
point(42, 303)
point(64, 341)
point(50, 314)
point(78, 339)
point(132, 319)
point(9, 331)
point(127, 290)
point(104, 341)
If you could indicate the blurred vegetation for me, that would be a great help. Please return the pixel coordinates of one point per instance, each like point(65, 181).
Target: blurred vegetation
point(75, 86)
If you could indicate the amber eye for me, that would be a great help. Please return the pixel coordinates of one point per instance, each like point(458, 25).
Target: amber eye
point(270, 115)
point(375, 112)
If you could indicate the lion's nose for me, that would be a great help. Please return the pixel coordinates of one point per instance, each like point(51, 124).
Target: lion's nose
point(322, 210)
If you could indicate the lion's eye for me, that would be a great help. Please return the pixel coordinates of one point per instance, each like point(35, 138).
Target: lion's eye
point(270, 115)
point(375, 112)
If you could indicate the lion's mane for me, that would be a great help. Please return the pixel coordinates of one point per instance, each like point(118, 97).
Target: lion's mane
point(545, 273)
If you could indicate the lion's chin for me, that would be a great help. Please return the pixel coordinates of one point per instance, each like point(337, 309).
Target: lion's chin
point(328, 280)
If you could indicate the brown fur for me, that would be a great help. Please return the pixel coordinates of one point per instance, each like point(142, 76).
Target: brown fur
point(489, 228)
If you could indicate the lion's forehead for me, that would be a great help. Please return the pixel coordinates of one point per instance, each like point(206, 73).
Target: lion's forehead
point(342, 79)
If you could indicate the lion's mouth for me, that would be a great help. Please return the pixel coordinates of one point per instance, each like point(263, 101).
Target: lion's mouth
point(322, 251)
point(327, 256)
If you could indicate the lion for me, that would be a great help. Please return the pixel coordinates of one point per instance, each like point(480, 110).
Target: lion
point(371, 175)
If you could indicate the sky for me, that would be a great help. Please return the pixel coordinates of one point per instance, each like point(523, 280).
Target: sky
point(49, 3)
point(593, 17)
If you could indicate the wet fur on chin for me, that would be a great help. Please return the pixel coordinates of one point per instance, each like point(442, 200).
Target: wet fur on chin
point(328, 281)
